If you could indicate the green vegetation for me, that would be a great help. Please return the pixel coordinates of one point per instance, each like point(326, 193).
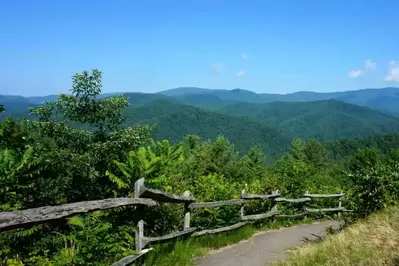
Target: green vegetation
point(372, 241)
point(46, 161)
point(342, 148)
point(322, 120)
point(175, 120)
point(210, 113)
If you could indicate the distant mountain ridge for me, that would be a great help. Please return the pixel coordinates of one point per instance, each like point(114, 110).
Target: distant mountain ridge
point(268, 124)
point(323, 120)
point(383, 99)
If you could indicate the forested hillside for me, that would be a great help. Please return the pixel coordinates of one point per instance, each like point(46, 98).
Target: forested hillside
point(174, 121)
point(46, 162)
point(323, 120)
point(16, 106)
point(270, 126)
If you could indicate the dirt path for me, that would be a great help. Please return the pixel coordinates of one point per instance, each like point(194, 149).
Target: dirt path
point(266, 247)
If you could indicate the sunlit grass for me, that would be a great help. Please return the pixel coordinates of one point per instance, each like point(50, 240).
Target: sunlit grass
point(373, 241)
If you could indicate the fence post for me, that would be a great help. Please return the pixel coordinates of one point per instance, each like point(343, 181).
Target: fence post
point(137, 185)
point(274, 206)
point(340, 205)
point(186, 224)
point(242, 205)
point(306, 216)
point(139, 236)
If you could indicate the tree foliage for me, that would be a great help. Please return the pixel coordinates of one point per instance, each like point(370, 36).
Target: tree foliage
point(48, 161)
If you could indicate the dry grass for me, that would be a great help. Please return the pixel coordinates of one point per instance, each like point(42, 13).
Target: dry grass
point(371, 242)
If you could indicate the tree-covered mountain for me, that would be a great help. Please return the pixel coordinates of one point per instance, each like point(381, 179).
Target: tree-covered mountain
point(175, 120)
point(384, 99)
point(322, 120)
point(239, 95)
point(17, 106)
point(268, 125)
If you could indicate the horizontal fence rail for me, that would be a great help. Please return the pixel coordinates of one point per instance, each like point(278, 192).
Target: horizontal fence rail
point(15, 219)
point(147, 197)
point(216, 203)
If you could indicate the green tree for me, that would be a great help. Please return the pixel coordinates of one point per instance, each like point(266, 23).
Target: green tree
point(83, 106)
point(372, 183)
point(254, 162)
point(315, 154)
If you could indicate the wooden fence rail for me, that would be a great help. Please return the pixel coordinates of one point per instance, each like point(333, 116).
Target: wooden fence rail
point(15, 219)
point(151, 197)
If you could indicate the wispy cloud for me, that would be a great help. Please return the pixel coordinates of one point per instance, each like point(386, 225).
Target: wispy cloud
point(240, 73)
point(393, 71)
point(370, 65)
point(217, 68)
point(355, 73)
point(244, 56)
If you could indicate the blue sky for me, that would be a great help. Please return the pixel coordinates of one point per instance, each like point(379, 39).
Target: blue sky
point(265, 46)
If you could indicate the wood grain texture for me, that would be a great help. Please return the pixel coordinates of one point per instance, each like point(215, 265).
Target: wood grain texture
point(215, 203)
point(259, 196)
point(258, 216)
point(161, 196)
point(324, 195)
point(130, 259)
point(171, 235)
point(298, 215)
point(219, 230)
point(326, 210)
point(292, 200)
point(140, 191)
point(15, 219)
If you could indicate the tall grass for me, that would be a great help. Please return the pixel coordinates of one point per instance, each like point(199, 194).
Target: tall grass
point(373, 241)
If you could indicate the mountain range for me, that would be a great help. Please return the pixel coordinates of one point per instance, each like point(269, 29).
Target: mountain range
point(384, 99)
point(248, 119)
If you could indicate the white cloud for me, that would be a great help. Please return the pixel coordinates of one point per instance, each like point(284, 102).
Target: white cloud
point(370, 64)
point(393, 71)
point(217, 68)
point(240, 73)
point(355, 73)
point(244, 56)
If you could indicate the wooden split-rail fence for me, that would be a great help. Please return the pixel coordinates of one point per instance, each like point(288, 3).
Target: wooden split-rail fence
point(151, 197)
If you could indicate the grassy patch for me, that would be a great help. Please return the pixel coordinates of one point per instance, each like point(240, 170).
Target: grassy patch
point(372, 241)
point(182, 252)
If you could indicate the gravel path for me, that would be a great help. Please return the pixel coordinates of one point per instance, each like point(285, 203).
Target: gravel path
point(266, 247)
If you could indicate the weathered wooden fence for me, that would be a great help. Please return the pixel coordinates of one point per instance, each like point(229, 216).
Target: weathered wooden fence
point(151, 197)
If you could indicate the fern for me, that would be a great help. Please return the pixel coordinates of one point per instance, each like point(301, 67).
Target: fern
point(21, 233)
point(76, 221)
point(118, 181)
